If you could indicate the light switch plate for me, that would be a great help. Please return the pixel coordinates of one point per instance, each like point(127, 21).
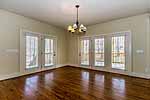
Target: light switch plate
point(11, 50)
point(140, 51)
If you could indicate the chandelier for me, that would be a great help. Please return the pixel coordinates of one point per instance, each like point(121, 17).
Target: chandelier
point(77, 28)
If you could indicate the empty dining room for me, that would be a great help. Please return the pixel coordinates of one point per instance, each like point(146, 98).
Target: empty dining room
point(74, 49)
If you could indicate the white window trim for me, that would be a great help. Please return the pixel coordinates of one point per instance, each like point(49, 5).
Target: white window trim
point(93, 49)
point(79, 51)
point(43, 50)
point(129, 67)
point(22, 51)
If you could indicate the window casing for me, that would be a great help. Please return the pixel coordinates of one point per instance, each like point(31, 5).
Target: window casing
point(109, 50)
point(37, 51)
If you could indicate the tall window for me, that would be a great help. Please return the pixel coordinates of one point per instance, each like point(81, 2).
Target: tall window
point(110, 50)
point(49, 52)
point(31, 52)
point(85, 45)
point(99, 52)
point(118, 52)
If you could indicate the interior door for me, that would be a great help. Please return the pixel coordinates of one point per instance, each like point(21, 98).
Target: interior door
point(49, 51)
point(85, 51)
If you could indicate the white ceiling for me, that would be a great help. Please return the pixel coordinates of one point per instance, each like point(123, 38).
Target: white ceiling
point(62, 12)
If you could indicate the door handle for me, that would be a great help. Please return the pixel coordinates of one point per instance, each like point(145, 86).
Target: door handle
point(54, 54)
point(79, 54)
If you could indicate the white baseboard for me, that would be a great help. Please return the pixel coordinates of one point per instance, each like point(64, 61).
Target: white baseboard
point(133, 74)
point(13, 75)
point(18, 74)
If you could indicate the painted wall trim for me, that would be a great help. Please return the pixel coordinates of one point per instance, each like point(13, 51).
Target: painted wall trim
point(18, 74)
point(132, 74)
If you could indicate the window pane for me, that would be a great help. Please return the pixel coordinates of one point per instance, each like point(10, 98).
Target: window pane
point(31, 52)
point(99, 52)
point(85, 52)
point(49, 52)
point(118, 52)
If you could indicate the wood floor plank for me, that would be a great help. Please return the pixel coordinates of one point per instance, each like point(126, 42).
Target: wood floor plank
point(69, 83)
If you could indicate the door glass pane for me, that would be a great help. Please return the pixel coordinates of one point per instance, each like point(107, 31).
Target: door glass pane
point(118, 52)
point(31, 52)
point(49, 52)
point(85, 44)
point(99, 52)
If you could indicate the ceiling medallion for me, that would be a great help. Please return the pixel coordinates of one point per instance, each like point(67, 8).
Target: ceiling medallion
point(77, 28)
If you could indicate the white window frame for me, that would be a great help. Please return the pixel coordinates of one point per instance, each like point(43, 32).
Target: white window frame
point(40, 50)
point(93, 49)
point(34, 35)
point(128, 51)
point(45, 36)
point(79, 50)
point(107, 40)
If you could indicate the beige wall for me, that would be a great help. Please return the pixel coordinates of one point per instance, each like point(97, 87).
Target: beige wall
point(10, 25)
point(138, 25)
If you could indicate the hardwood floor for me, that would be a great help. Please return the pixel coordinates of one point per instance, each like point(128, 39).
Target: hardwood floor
point(70, 83)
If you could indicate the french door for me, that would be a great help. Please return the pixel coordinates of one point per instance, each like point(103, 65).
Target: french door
point(118, 52)
point(121, 51)
point(85, 52)
point(49, 51)
point(91, 51)
point(32, 51)
point(112, 50)
point(37, 51)
point(98, 51)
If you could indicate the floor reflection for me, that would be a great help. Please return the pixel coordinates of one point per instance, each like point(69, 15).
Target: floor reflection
point(85, 80)
point(49, 78)
point(92, 82)
point(85, 75)
point(69, 83)
point(31, 85)
point(118, 84)
point(118, 87)
point(99, 79)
